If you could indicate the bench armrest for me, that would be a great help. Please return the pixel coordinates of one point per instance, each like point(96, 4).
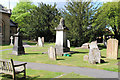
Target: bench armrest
point(20, 65)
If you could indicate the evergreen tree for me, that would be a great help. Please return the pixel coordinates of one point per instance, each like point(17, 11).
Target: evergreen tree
point(79, 18)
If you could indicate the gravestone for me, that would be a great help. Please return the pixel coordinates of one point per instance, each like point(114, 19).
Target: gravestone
point(112, 48)
point(61, 40)
point(94, 53)
point(85, 46)
point(43, 41)
point(11, 39)
point(40, 42)
point(52, 53)
point(18, 48)
point(68, 43)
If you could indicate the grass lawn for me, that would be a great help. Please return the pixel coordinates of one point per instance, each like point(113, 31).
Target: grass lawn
point(46, 75)
point(34, 54)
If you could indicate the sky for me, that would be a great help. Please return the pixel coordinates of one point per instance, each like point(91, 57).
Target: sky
point(60, 3)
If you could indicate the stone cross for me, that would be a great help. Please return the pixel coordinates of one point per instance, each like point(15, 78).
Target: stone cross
point(94, 53)
point(40, 42)
point(52, 53)
point(11, 39)
point(112, 48)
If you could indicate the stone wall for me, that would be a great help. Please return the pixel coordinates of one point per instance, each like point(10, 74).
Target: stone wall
point(5, 28)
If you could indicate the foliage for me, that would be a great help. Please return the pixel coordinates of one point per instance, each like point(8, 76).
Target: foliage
point(109, 17)
point(21, 14)
point(44, 19)
point(79, 17)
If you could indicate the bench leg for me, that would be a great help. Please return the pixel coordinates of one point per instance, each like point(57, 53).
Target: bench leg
point(14, 77)
point(25, 74)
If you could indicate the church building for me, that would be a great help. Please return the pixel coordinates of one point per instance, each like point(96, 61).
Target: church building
point(7, 27)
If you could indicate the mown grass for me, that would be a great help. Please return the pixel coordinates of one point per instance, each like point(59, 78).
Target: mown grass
point(34, 54)
point(32, 75)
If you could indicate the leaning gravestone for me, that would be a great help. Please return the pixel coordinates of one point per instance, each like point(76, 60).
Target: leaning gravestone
point(40, 42)
point(94, 53)
point(52, 53)
point(11, 39)
point(112, 48)
point(18, 48)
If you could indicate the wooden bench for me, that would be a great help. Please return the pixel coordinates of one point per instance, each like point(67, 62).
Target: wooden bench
point(8, 67)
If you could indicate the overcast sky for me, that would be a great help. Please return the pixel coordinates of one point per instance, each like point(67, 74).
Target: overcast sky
point(60, 3)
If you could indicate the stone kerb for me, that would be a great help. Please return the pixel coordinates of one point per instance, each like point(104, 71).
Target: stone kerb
point(112, 48)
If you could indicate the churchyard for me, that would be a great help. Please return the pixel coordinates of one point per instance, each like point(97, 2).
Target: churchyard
point(35, 54)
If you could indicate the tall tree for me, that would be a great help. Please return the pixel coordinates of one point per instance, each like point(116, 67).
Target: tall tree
point(44, 19)
point(109, 17)
point(21, 14)
point(79, 19)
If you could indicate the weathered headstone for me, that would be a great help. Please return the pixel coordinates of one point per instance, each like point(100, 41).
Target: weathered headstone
point(52, 53)
point(93, 45)
point(40, 42)
point(94, 53)
point(11, 39)
point(43, 41)
point(18, 48)
point(85, 46)
point(68, 43)
point(61, 40)
point(112, 48)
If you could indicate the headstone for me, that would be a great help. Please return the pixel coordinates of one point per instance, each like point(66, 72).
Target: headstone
point(68, 43)
point(52, 53)
point(61, 40)
point(43, 41)
point(112, 48)
point(93, 45)
point(18, 48)
point(85, 46)
point(11, 39)
point(85, 58)
point(94, 53)
point(40, 42)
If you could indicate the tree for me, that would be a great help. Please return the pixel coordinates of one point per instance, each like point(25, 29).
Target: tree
point(79, 18)
point(44, 19)
point(21, 15)
point(109, 17)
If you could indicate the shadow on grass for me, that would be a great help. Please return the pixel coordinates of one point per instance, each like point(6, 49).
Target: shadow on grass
point(60, 59)
point(32, 53)
point(101, 47)
point(102, 61)
point(31, 43)
point(76, 52)
point(103, 57)
point(19, 77)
